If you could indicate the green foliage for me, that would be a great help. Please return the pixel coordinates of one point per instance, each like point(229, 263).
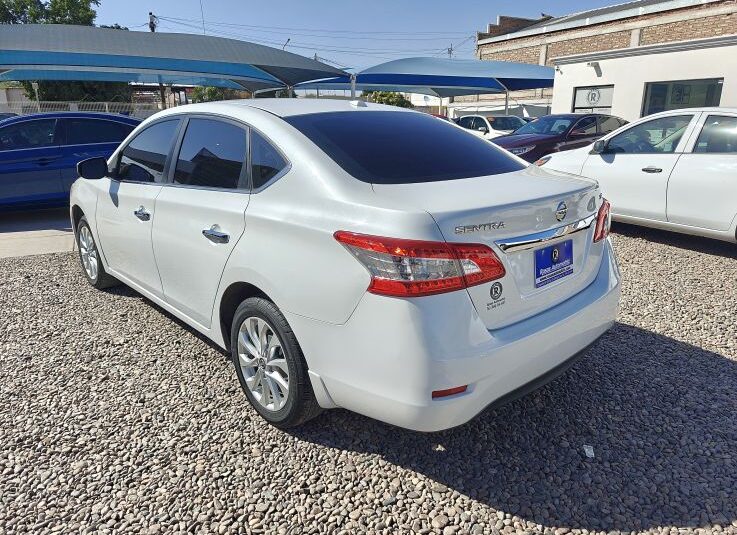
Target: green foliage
point(391, 98)
point(80, 12)
point(211, 94)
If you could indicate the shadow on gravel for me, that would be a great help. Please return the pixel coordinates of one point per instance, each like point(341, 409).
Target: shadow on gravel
point(660, 414)
point(683, 241)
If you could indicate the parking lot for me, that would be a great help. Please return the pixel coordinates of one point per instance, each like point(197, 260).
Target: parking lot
point(114, 416)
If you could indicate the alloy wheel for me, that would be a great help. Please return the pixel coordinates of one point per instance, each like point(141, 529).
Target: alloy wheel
point(263, 363)
point(88, 252)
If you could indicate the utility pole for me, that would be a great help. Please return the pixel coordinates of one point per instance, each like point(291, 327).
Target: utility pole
point(153, 21)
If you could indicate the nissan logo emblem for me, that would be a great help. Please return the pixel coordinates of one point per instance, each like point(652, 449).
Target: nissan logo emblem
point(561, 211)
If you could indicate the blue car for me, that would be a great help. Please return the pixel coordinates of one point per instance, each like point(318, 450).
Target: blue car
point(39, 153)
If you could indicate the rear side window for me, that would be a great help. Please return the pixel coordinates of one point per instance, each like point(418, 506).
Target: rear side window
point(27, 134)
point(83, 131)
point(393, 147)
point(212, 154)
point(266, 161)
point(143, 159)
point(719, 135)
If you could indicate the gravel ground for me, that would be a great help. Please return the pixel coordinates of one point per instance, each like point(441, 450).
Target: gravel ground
point(115, 417)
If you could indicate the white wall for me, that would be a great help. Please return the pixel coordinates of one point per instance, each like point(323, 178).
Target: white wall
point(629, 75)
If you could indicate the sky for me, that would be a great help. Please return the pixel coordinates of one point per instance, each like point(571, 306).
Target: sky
point(347, 33)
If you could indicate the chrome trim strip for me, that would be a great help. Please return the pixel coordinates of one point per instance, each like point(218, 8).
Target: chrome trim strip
point(530, 241)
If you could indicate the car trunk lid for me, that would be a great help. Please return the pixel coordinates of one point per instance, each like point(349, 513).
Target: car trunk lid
point(519, 215)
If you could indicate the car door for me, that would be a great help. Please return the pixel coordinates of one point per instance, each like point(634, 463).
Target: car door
point(30, 163)
point(702, 190)
point(84, 138)
point(210, 185)
point(634, 168)
point(126, 211)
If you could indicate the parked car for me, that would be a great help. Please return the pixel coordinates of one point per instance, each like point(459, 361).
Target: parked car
point(674, 170)
point(559, 132)
point(490, 127)
point(345, 261)
point(39, 153)
point(8, 115)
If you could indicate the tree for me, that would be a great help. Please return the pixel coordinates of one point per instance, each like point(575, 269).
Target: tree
point(211, 94)
point(80, 12)
point(391, 98)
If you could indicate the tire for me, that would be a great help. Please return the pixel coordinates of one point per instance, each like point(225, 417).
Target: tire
point(264, 383)
point(89, 258)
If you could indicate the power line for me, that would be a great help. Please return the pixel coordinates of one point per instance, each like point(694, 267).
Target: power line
point(310, 45)
point(350, 32)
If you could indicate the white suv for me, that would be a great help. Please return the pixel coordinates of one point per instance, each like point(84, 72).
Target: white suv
point(345, 261)
point(492, 126)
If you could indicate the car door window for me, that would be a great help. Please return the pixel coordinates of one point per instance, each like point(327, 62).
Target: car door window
point(657, 136)
point(85, 131)
point(212, 154)
point(719, 135)
point(466, 122)
point(585, 127)
point(27, 134)
point(266, 160)
point(608, 124)
point(143, 159)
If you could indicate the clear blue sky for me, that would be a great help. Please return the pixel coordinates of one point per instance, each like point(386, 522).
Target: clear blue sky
point(349, 32)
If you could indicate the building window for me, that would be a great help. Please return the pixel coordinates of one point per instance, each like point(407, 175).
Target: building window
point(593, 99)
point(663, 96)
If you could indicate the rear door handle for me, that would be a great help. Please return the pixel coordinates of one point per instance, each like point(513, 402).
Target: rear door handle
point(142, 214)
point(214, 235)
point(652, 169)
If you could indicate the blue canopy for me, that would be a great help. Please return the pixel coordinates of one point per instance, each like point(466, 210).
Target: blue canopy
point(66, 52)
point(445, 77)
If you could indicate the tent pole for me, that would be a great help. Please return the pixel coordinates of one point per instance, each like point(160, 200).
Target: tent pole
point(353, 86)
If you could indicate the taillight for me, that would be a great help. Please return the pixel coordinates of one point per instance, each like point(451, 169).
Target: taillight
point(413, 268)
point(603, 221)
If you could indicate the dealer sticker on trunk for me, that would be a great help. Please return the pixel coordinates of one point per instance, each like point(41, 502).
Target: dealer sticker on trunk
point(553, 262)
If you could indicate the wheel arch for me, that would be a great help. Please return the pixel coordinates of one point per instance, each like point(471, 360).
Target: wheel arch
point(233, 296)
point(77, 214)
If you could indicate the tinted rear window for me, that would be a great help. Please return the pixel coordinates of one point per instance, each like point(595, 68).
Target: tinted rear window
point(389, 147)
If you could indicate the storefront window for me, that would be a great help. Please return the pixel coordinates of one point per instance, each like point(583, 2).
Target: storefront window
point(663, 96)
point(593, 99)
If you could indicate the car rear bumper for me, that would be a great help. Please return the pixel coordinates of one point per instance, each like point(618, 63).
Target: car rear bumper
point(390, 356)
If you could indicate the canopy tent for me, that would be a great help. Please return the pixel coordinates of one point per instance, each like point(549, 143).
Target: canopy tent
point(66, 52)
point(443, 77)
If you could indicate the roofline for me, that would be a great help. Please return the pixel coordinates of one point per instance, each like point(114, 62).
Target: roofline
point(624, 13)
point(646, 50)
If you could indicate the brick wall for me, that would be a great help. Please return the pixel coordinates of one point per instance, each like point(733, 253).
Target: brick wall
point(529, 54)
point(690, 29)
point(567, 42)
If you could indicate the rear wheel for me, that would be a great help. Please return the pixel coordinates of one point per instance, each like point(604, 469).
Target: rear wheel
point(270, 365)
point(89, 257)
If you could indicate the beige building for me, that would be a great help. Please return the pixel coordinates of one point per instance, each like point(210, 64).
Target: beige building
point(633, 58)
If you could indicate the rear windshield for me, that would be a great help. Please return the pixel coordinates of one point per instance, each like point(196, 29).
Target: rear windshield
point(550, 126)
point(390, 147)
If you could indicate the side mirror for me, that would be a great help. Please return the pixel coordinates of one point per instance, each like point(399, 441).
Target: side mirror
point(482, 129)
point(599, 147)
point(92, 168)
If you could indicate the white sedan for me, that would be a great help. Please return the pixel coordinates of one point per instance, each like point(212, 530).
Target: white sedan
point(675, 170)
point(345, 261)
point(492, 126)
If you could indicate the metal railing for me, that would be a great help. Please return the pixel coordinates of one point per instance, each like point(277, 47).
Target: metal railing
point(133, 109)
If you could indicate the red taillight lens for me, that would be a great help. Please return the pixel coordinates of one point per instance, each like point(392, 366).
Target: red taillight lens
point(413, 268)
point(603, 221)
point(448, 392)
